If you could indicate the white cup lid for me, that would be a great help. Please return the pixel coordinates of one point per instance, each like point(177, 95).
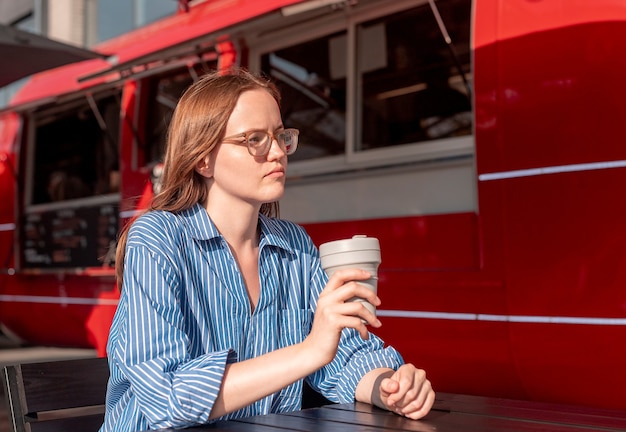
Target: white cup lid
point(357, 242)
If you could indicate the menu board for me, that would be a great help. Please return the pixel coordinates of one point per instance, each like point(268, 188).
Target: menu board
point(71, 237)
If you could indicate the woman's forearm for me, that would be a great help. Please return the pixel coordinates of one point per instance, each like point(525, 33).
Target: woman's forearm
point(250, 380)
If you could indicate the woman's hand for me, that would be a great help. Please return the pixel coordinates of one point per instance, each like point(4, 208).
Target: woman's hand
point(407, 392)
point(335, 312)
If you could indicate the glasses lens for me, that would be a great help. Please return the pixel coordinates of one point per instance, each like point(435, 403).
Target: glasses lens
point(289, 140)
point(258, 142)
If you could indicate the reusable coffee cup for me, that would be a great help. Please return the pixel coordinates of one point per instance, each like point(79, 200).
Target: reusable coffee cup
point(359, 251)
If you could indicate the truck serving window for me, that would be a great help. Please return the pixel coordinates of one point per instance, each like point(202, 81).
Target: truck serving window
point(410, 73)
point(76, 152)
point(71, 188)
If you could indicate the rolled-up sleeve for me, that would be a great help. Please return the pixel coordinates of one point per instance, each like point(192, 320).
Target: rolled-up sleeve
point(171, 388)
point(355, 357)
point(171, 396)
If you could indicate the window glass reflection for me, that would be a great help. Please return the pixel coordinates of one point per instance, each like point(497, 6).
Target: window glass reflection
point(74, 156)
point(412, 88)
point(313, 87)
point(164, 91)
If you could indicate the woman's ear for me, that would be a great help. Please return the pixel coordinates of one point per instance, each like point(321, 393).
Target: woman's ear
point(204, 167)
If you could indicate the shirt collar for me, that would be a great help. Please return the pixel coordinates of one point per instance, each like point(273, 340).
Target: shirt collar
point(271, 234)
point(201, 227)
point(199, 224)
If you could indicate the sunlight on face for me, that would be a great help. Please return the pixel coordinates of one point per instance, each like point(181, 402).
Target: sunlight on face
point(239, 177)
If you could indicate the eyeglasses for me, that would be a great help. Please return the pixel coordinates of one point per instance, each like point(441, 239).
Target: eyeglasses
point(259, 141)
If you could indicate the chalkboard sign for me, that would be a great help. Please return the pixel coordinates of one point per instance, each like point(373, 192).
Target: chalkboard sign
point(71, 237)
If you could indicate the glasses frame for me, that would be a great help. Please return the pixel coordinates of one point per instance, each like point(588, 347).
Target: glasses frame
point(233, 139)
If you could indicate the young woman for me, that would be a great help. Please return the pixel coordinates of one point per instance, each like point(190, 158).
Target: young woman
point(225, 309)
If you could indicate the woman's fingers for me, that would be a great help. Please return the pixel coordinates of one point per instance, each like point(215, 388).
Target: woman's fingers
point(345, 283)
point(408, 392)
point(350, 294)
point(335, 310)
point(341, 277)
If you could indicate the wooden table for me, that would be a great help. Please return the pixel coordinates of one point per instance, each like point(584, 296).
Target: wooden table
point(450, 413)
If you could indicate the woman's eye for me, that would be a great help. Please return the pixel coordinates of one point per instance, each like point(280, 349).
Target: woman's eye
point(255, 139)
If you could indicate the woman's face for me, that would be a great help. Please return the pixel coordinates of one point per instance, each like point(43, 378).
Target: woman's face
point(238, 176)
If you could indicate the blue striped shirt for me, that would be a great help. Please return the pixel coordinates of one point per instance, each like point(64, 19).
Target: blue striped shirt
point(184, 314)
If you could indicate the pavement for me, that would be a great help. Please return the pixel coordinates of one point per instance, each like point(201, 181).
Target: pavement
point(13, 352)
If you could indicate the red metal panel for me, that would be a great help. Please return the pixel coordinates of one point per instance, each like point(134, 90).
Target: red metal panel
point(440, 242)
point(9, 128)
point(471, 357)
point(549, 93)
point(433, 264)
point(60, 309)
point(134, 181)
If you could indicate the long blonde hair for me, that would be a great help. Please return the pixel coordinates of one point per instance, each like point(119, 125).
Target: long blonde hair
point(198, 125)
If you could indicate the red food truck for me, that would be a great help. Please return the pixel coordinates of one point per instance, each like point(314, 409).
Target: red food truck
point(483, 142)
